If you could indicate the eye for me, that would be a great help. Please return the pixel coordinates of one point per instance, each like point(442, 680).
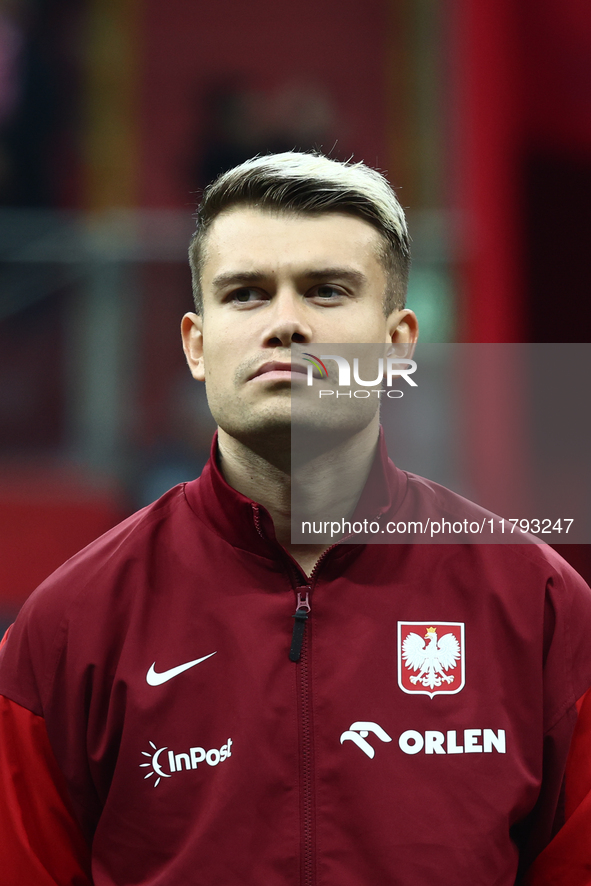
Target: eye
point(327, 292)
point(245, 296)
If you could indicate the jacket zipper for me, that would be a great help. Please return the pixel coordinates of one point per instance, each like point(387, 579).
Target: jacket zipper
point(303, 610)
point(300, 653)
point(307, 776)
point(299, 625)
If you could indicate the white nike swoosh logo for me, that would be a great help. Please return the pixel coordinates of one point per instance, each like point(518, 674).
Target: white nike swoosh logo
point(155, 679)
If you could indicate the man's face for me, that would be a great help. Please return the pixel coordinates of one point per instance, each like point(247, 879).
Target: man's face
point(270, 280)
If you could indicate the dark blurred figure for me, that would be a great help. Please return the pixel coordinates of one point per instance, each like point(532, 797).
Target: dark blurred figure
point(241, 122)
point(38, 102)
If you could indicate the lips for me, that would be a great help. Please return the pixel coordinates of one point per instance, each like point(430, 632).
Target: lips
point(278, 369)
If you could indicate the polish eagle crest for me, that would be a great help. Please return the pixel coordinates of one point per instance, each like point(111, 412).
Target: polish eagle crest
point(430, 657)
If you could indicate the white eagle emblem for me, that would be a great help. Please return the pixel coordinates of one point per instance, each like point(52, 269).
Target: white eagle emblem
point(431, 656)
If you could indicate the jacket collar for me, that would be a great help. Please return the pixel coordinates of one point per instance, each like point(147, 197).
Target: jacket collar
point(247, 525)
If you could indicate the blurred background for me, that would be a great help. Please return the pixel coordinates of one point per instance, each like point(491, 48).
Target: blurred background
point(115, 113)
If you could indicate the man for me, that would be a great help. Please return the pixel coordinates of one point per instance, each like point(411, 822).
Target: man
point(195, 700)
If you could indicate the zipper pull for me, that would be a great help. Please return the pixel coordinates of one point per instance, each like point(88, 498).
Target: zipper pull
point(299, 625)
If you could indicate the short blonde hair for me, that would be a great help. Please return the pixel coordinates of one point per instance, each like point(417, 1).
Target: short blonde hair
point(310, 184)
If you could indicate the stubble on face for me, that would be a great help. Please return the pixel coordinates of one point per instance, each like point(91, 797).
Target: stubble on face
point(276, 263)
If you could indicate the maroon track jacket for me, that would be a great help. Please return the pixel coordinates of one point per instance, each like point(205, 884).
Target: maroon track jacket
point(434, 730)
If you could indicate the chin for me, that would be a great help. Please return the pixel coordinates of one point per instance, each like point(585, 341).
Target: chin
point(254, 428)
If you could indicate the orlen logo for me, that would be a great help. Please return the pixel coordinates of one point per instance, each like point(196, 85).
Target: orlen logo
point(359, 731)
point(176, 762)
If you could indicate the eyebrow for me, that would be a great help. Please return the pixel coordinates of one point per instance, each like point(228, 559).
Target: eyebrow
point(242, 278)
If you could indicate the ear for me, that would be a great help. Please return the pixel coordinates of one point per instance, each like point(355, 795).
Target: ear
point(403, 327)
point(192, 335)
point(403, 333)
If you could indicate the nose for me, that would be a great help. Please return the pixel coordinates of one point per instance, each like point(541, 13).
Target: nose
point(286, 321)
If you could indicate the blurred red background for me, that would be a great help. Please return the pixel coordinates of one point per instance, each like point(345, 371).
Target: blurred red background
point(114, 113)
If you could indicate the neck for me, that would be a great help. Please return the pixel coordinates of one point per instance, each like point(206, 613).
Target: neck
point(326, 486)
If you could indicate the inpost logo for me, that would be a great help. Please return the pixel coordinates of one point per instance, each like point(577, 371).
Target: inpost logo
point(186, 761)
point(388, 371)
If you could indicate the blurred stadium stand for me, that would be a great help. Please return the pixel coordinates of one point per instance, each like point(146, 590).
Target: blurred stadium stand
point(114, 113)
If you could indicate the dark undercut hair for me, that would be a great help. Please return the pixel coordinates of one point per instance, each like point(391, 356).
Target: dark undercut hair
point(310, 184)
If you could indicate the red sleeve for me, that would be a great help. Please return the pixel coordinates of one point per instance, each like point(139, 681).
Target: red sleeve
point(40, 841)
point(566, 861)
